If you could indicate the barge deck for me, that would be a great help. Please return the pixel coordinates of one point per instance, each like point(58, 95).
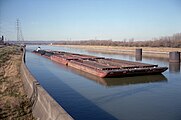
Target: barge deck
point(100, 66)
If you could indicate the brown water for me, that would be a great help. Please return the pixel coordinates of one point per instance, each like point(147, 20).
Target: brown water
point(87, 97)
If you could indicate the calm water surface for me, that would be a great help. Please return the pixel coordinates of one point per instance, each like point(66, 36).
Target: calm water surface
point(86, 97)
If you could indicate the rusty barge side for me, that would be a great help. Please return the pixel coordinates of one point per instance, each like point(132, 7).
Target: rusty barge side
point(100, 66)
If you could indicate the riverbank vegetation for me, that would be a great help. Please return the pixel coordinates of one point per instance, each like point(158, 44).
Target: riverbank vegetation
point(14, 103)
point(173, 41)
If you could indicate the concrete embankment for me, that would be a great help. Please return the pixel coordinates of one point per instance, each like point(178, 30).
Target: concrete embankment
point(44, 107)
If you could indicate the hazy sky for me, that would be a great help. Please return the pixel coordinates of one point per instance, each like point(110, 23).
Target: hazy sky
point(90, 19)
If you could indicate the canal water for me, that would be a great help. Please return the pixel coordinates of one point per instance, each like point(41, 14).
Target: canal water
point(86, 97)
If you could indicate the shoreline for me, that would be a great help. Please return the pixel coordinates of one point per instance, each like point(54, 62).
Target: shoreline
point(156, 52)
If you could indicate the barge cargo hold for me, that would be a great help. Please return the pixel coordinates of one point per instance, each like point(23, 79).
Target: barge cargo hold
point(100, 66)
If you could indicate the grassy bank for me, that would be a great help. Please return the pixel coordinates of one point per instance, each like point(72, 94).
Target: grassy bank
point(160, 52)
point(14, 103)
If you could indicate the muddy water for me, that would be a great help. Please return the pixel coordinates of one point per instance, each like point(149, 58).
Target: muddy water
point(86, 97)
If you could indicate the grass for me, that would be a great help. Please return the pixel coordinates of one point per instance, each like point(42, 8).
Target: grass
point(13, 101)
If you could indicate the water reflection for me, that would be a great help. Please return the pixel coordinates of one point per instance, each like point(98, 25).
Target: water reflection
point(111, 82)
point(174, 67)
point(138, 57)
point(135, 80)
point(80, 92)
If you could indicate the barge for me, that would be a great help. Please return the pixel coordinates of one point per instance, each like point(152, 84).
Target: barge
point(100, 66)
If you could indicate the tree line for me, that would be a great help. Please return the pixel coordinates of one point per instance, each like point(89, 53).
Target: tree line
point(166, 41)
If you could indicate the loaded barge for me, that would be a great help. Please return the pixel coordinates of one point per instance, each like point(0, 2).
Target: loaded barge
point(100, 66)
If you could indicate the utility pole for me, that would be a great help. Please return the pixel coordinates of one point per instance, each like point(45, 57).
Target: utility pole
point(20, 38)
point(17, 30)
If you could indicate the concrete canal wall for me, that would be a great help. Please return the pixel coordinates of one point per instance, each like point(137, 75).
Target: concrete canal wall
point(44, 107)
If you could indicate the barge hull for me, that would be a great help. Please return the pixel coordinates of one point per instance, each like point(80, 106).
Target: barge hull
point(102, 67)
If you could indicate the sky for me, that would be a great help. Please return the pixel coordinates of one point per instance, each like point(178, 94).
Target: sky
point(90, 19)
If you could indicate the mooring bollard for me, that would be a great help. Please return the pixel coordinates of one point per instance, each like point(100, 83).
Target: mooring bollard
point(174, 57)
point(138, 54)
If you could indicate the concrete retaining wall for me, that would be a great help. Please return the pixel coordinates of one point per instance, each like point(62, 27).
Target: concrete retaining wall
point(44, 107)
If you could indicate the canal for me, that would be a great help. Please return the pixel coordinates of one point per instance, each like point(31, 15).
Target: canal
point(87, 97)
